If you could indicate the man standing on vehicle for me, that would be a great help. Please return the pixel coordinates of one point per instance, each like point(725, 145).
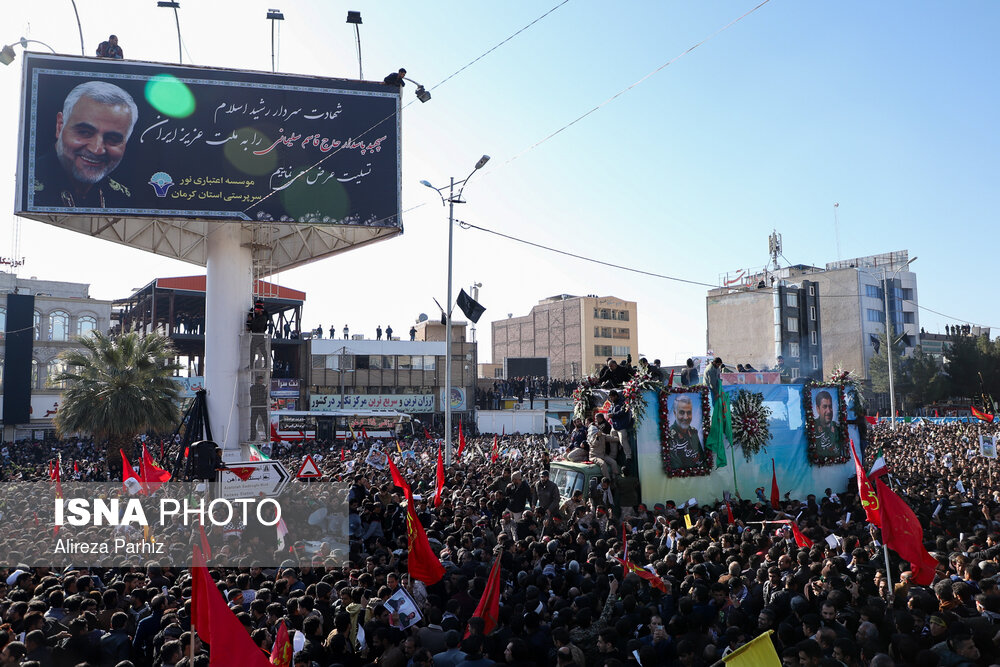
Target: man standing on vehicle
point(621, 421)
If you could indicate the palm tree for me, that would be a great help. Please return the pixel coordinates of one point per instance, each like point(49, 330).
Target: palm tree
point(118, 387)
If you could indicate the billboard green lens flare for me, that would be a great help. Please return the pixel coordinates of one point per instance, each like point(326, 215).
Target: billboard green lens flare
point(170, 96)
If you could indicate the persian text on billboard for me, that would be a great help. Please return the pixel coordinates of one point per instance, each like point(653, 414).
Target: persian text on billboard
point(144, 139)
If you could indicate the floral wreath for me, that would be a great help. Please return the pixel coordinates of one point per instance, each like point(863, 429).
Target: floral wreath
point(848, 380)
point(814, 458)
point(583, 396)
point(706, 426)
point(632, 393)
point(750, 427)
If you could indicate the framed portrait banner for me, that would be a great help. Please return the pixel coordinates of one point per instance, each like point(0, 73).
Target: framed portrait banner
point(685, 420)
point(826, 424)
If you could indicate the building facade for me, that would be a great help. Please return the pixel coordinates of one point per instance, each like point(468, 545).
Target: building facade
point(576, 333)
point(790, 310)
point(402, 375)
point(62, 312)
point(839, 315)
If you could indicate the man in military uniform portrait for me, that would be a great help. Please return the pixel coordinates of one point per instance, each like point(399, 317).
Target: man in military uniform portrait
point(92, 131)
point(686, 450)
point(828, 438)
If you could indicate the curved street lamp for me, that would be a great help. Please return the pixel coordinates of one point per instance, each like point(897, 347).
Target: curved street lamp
point(451, 201)
point(7, 54)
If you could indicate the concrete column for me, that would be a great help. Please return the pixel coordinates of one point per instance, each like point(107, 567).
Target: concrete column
point(228, 298)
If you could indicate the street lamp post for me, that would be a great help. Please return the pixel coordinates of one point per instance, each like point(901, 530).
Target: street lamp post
point(452, 200)
point(7, 53)
point(274, 15)
point(175, 6)
point(889, 337)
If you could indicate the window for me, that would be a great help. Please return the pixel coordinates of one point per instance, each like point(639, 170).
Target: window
point(602, 350)
point(908, 317)
point(621, 333)
point(59, 325)
point(875, 315)
point(873, 291)
point(620, 350)
point(430, 362)
point(403, 362)
point(793, 350)
point(388, 362)
point(85, 324)
point(792, 324)
point(375, 362)
point(37, 323)
point(815, 360)
point(623, 315)
point(906, 293)
point(361, 362)
point(56, 366)
point(792, 300)
point(813, 338)
point(812, 290)
point(3, 322)
point(812, 313)
point(417, 362)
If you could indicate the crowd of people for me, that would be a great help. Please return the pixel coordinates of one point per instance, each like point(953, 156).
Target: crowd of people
point(523, 389)
point(565, 599)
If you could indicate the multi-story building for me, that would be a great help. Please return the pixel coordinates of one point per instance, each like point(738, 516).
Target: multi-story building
point(60, 313)
point(850, 313)
point(738, 322)
point(576, 333)
point(402, 375)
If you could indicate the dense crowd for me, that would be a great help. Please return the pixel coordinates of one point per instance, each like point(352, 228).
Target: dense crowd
point(526, 388)
point(565, 600)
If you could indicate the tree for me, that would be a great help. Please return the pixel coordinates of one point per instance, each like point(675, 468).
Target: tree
point(118, 387)
point(927, 381)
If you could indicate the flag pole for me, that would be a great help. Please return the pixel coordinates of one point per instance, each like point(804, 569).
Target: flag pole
point(732, 450)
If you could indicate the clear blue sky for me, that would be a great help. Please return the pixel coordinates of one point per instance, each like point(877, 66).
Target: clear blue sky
point(888, 108)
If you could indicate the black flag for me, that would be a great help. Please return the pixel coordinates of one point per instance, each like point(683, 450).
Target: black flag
point(470, 307)
point(876, 343)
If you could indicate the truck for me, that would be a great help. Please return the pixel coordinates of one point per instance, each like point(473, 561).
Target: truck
point(646, 480)
point(518, 421)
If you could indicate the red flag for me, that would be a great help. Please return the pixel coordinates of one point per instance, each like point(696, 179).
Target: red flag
point(281, 652)
point(935, 413)
point(871, 420)
point(440, 479)
point(427, 435)
point(213, 618)
point(877, 417)
point(423, 564)
point(153, 475)
point(76, 466)
point(200, 581)
point(488, 608)
point(461, 442)
point(775, 496)
point(902, 532)
point(397, 479)
point(729, 513)
point(364, 433)
point(206, 548)
point(641, 572)
point(800, 539)
point(670, 380)
point(495, 452)
point(130, 481)
point(982, 416)
point(342, 455)
point(865, 491)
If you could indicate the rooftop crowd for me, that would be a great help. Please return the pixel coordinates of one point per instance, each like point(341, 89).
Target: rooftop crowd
point(564, 600)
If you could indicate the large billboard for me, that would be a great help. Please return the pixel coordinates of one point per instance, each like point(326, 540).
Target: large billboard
point(138, 139)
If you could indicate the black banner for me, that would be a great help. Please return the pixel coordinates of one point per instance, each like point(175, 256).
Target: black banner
point(144, 139)
point(19, 338)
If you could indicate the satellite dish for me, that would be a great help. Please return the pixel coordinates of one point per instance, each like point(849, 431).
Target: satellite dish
point(317, 517)
point(422, 317)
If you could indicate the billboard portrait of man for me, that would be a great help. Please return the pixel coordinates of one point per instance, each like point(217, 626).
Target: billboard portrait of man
point(91, 133)
point(828, 439)
point(684, 440)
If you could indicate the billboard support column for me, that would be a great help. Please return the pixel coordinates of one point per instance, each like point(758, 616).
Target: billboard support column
point(228, 297)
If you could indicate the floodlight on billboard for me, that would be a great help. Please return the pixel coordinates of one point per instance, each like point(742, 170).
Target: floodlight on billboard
point(136, 139)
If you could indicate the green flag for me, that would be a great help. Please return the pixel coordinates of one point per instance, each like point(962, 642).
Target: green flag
point(722, 429)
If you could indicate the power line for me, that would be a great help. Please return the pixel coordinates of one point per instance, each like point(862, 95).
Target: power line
point(469, 225)
point(473, 62)
point(628, 88)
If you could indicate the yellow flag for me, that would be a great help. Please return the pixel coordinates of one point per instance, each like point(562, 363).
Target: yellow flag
point(757, 653)
point(687, 521)
point(398, 448)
